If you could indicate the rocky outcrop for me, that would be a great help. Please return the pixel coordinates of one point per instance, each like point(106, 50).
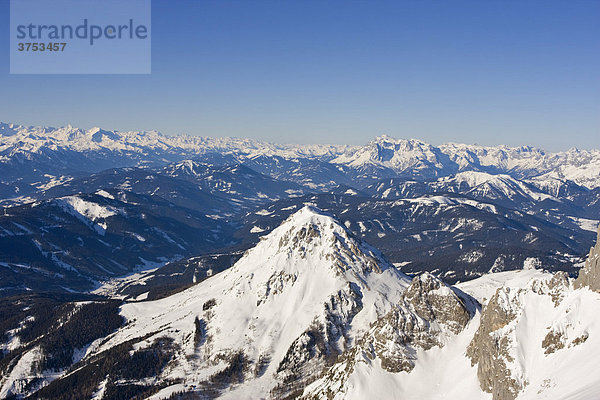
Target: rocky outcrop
point(489, 348)
point(556, 287)
point(320, 345)
point(397, 335)
point(429, 309)
point(429, 306)
point(589, 275)
point(433, 300)
point(495, 346)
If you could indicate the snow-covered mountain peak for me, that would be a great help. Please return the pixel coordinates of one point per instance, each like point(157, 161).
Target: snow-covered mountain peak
point(491, 186)
point(475, 178)
point(383, 143)
point(397, 154)
point(287, 308)
point(186, 167)
point(7, 129)
point(99, 135)
point(311, 257)
point(313, 239)
point(35, 139)
point(394, 143)
point(66, 148)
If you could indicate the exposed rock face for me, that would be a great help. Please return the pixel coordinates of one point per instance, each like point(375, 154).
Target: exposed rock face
point(283, 314)
point(428, 310)
point(320, 344)
point(396, 336)
point(428, 306)
point(433, 300)
point(489, 349)
point(552, 342)
point(589, 275)
point(495, 345)
point(555, 287)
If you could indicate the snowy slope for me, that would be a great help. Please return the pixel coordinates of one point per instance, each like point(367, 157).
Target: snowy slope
point(89, 212)
point(498, 188)
point(485, 185)
point(440, 373)
point(313, 312)
point(551, 336)
point(307, 279)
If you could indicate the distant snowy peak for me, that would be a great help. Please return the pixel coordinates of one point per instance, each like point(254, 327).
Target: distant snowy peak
point(474, 184)
point(381, 158)
point(550, 183)
point(187, 167)
point(502, 157)
point(491, 187)
point(582, 168)
point(17, 138)
point(397, 154)
point(579, 166)
point(411, 157)
point(33, 139)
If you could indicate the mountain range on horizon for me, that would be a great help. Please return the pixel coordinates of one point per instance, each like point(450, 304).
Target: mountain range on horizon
point(300, 200)
point(109, 183)
point(138, 265)
point(64, 152)
point(99, 134)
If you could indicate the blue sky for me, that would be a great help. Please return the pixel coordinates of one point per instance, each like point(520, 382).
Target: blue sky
point(487, 72)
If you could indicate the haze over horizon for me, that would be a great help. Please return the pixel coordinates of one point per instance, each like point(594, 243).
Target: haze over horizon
point(343, 73)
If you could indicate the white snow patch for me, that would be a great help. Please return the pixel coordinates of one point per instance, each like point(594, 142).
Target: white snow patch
point(586, 224)
point(263, 212)
point(104, 193)
point(92, 214)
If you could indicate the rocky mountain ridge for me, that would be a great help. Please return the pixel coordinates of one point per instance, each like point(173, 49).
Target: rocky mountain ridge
point(314, 312)
point(589, 275)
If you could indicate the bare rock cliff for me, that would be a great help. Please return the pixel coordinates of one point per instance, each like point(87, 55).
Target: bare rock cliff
point(589, 275)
